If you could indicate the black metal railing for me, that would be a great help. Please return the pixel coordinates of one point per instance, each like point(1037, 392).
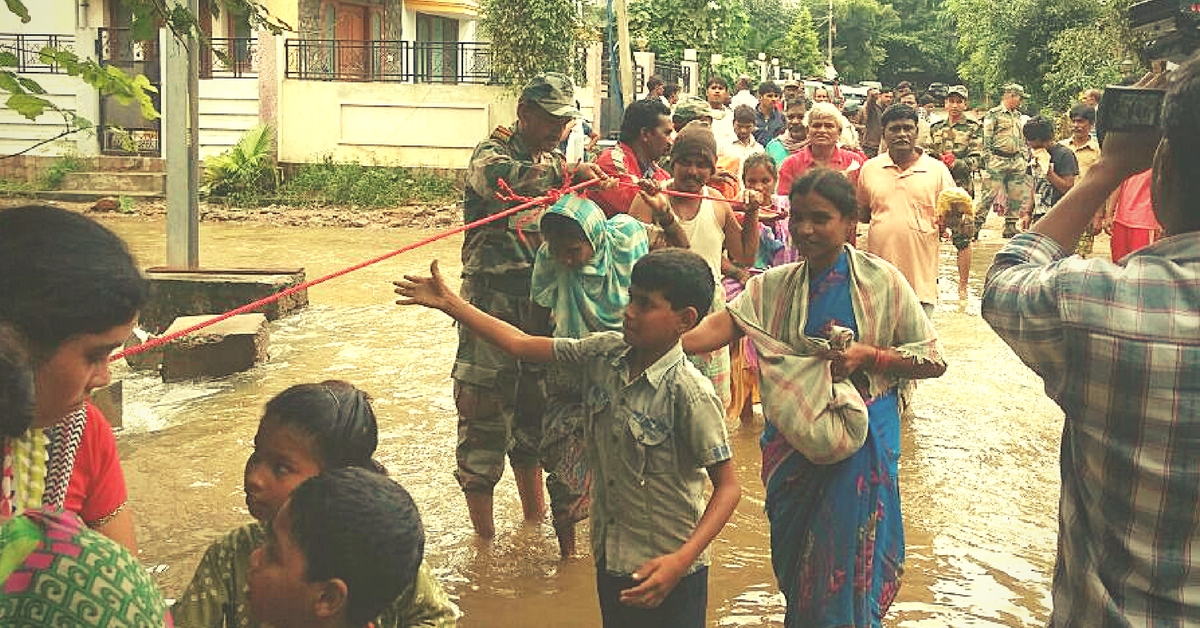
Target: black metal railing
point(389, 61)
point(117, 46)
point(639, 72)
point(235, 57)
point(28, 50)
point(675, 72)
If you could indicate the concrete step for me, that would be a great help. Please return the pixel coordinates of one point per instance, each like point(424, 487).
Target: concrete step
point(126, 181)
point(89, 196)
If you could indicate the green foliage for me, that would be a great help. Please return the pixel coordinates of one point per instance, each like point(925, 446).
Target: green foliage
point(801, 49)
point(58, 169)
point(862, 29)
point(1040, 43)
point(246, 167)
point(924, 49)
point(337, 183)
point(769, 22)
point(530, 36)
point(19, 9)
point(709, 26)
point(12, 187)
point(126, 204)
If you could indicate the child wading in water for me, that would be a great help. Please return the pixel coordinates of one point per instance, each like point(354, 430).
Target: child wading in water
point(653, 425)
point(774, 248)
point(581, 274)
point(305, 430)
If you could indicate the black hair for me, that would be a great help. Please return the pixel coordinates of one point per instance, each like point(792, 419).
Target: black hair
point(796, 102)
point(653, 82)
point(926, 99)
point(670, 89)
point(16, 383)
point(63, 275)
point(1038, 129)
point(716, 79)
point(336, 415)
point(363, 529)
point(559, 227)
point(682, 277)
point(769, 87)
point(898, 112)
point(641, 114)
point(1180, 122)
point(829, 184)
point(762, 159)
point(1087, 112)
point(743, 114)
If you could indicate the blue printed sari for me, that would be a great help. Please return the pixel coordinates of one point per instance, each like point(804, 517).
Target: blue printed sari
point(837, 539)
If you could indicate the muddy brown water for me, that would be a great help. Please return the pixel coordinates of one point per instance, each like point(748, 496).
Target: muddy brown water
point(978, 470)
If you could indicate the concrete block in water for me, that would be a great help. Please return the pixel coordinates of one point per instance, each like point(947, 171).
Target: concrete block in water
point(111, 401)
point(147, 360)
point(175, 293)
point(230, 346)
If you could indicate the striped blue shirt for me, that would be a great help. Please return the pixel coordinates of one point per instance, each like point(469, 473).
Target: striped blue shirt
point(1118, 347)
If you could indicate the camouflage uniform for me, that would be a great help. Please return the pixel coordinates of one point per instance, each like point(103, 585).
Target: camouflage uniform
point(1007, 163)
point(500, 401)
point(965, 140)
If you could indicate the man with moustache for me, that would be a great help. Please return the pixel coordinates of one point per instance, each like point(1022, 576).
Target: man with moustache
point(498, 399)
point(897, 194)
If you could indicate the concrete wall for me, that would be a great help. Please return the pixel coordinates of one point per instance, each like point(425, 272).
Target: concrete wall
point(47, 16)
point(228, 108)
point(416, 125)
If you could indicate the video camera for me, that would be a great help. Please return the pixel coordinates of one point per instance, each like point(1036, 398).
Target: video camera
point(1170, 29)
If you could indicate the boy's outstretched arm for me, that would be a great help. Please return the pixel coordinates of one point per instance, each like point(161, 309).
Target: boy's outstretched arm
point(659, 576)
point(432, 292)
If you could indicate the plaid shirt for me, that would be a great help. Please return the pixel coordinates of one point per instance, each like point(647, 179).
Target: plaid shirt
point(1119, 350)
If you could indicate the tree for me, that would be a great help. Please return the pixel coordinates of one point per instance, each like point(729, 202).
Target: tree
point(768, 22)
point(531, 36)
point(709, 26)
point(862, 27)
point(801, 49)
point(27, 97)
point(924, 47)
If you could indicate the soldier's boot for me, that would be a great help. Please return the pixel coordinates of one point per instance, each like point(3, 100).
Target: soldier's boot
point(1010, 228)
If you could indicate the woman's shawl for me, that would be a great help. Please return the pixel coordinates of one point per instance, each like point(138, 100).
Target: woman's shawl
point(593, 297)
point(55, 571)
point(824, 420)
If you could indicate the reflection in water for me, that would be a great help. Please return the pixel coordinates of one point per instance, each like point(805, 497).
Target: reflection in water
point(978, 471)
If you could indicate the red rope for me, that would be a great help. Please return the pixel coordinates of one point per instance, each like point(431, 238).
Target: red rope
point(670, 192)
point(250, 307)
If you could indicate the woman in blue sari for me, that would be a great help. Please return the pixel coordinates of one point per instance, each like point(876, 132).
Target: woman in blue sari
point(837, 537)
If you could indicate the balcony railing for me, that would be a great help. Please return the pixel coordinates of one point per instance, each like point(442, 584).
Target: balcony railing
point(230, 58)
point(117, 46)
point(28, 50)
point(389, 61)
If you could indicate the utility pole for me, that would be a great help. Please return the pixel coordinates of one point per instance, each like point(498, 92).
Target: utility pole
point(624, 53)
point(182, 134)
point(829, 60)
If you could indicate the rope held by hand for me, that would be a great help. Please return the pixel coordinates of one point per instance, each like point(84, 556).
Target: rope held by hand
point(250, 307)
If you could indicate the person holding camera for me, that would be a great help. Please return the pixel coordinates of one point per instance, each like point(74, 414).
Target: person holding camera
point(1006, 158)
point(1117, 347)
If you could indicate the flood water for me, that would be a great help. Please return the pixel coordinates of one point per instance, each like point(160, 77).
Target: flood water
point(978, 471)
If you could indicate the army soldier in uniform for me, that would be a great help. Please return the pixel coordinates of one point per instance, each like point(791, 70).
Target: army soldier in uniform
point(1006, 158)
point(958, 141)
point(499, 400)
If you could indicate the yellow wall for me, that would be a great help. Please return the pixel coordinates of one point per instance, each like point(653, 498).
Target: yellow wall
point(422, 125)
point(288, 11)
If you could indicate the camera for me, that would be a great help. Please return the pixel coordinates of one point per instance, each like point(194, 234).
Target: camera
point(1128, 109)
point(1169, 29)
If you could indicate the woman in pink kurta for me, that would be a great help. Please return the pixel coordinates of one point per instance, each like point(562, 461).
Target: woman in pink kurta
point(1130, 218)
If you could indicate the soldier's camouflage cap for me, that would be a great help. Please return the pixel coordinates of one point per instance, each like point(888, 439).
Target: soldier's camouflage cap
point(1014, 88)
point(960, 90)
point(692, 108)
point(553, 92)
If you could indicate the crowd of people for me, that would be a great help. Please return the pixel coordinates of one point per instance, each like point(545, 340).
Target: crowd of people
point(610, 340)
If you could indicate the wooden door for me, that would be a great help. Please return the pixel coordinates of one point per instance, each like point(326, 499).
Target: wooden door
point(353, 44)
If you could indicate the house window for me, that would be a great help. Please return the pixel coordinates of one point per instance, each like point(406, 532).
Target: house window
point(436, 49)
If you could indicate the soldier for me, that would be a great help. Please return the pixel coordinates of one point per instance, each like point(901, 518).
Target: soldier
point(499, 401)
point(1006, 158)
point(958, 141)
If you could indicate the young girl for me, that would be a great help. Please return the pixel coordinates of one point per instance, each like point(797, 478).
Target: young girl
point(306, 429)
point(581, 274)
point(759, 174)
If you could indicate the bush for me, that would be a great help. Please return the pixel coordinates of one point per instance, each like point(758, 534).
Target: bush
point(341, 183)
point(58, 169)
point(245, 169)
